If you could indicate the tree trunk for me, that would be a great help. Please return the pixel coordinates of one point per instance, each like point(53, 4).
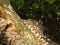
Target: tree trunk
point(15, 31)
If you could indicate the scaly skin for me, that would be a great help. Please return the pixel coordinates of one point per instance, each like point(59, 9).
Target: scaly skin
point(38, 31)
point(14, 32)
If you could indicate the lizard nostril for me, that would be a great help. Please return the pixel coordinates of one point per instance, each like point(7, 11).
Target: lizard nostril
point(8, 25)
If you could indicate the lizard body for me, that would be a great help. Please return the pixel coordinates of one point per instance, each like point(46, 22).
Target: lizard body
point(15, 32)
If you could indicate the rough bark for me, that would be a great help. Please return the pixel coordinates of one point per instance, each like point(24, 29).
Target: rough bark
point(15, 31)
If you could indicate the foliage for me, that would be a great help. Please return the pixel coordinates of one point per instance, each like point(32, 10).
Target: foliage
point(46, 12)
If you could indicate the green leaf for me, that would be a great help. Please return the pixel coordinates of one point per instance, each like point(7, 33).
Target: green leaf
point(35, 5)
point(50, 1)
